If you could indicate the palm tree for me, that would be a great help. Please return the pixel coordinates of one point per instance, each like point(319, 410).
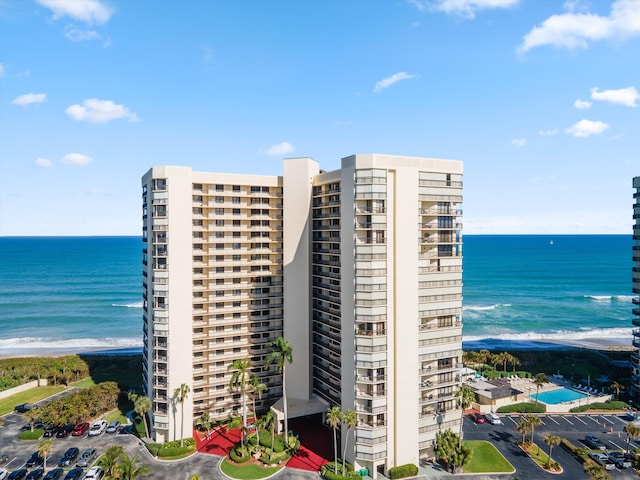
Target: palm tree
point(180, 394)
point(533, 421)
point(553, 441)
point(467, 397)
point(239, 380)
point(350, 420)
point(334, 418)
point(281, 354)
point(109, 460)
point(44, 449)
point(257, 387)
point(237, 422)
point(632, 431)
point(522, 427)
point(616, 387)
point(128, 470)
point(539, 380)
point(515, 361)
point(269, 422)
point(142, 405)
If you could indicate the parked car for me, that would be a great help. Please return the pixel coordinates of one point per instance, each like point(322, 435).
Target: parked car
point(126, 429)
point(50, 431)
point(98, 428)
point(619, 459)
point(631, 416)
point(36, 474)
point(55, 474)
point(95, 473)
point(3, 474)
point(34, 460)
point(80, 429)
point(69, 457)
point(493, 418)
point(113, 427)
point(19, 474)
point(64, 431)
point(476, 418)
point(602, 459)
point(74, 474)
point(23, 407)
point(594, 442)
point(88, 455)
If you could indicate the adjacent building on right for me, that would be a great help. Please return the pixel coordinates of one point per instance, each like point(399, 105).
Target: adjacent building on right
point(635, 356)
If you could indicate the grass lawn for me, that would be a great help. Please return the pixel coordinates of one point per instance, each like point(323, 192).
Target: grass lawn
point(486, 458)
point(252, 471)
point(538, 455)
point(84, 383)
point(29, 396)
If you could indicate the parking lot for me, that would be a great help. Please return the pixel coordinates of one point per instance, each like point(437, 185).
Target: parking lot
point(574, 427)
point(205, 465)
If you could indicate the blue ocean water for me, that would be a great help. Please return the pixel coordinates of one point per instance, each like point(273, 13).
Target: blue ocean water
point(85, 292)
point(543, 287)
point(70, 292)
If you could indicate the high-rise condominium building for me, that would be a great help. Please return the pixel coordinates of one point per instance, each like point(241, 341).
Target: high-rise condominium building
point(635, 356)
point(360, 269)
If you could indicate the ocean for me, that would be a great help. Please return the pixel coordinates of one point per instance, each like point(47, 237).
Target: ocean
point(60, 294)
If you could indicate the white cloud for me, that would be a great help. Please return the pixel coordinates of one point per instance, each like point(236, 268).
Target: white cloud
point(76, 159)
point(77, 35)
point(575, 30)
point(279, 149)
point(519, 142)
point(624, 96)
point(582, 104)
point(88, 11)
point(95, 110)
point(42, 162)
point(29, 99)
point(547, 133)
point(586, 128)
point(387, 82)
point(2, 70)
point(464, 8)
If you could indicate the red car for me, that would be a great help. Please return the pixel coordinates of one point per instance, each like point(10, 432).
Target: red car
point(476, 418)
point(80, 429)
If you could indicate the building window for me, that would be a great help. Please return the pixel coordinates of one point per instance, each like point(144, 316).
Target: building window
point(219, 200)
point(219, 223)
point(236, 188)
point(235, 200)
point(219, 188)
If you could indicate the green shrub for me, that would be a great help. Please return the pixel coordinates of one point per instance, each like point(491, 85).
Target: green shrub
point(29, 435)
point(236, 455)
point(154, 448)
point(522, 408)
point(608, 405)
point(172, 451)
point(265, 441)
point(327, 471)
point(403, 471)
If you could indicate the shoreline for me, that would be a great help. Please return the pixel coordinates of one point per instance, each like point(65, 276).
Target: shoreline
point(614, 344)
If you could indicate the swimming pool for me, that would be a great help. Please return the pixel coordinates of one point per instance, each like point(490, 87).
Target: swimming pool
point(561, 395)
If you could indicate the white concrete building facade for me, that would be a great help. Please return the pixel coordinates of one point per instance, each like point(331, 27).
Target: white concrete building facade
point(363, 274)
point(635, 356)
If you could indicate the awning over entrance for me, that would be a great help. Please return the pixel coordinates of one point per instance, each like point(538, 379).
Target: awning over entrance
point(298, 407)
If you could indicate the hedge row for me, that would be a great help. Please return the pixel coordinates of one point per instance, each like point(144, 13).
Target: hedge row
point(172, 449)
point(521, 408)
point(403, 471)
point(608, 405)
point(327, 471)
point(236, 455)
point(29, 435)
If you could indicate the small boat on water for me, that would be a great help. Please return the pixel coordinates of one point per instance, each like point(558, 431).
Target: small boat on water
point(551, 242)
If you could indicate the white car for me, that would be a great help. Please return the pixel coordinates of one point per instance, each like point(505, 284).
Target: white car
point(98, 428)
point(94, 473)
point(3, 474)
point(493, 418)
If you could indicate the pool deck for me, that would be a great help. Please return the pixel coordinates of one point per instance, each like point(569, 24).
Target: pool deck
point(528, 387)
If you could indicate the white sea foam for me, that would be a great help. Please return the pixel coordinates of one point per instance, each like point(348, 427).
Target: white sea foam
point(479, 308)
point(128, 305)
point(609, 298)
point(558, 335)
point(29, 343)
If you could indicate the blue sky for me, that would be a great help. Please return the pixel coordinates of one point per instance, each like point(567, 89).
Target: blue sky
point(538, 98)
